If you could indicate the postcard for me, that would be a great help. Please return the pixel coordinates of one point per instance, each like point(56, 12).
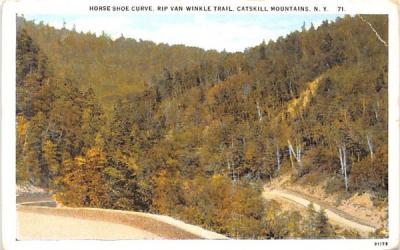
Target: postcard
point(174, 124)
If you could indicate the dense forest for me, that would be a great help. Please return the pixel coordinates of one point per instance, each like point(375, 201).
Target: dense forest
point(176, 130)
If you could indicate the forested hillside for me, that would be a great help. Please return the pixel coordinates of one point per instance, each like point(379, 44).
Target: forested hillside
point(177, 130)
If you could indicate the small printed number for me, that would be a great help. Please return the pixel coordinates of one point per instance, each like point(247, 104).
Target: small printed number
point(340, 8)
point(382, 243)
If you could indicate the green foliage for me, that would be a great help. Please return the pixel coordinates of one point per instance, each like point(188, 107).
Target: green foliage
point(323, 228)
point(317, 225)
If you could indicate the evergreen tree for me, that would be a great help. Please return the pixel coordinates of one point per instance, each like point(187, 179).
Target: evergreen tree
point(323, 228)
point(178, 130)
point(310, 230)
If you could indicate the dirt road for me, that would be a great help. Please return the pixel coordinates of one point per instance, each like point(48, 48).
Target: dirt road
point(333, 216)
point(34, 226)
point(40, 217)
point(36, 222)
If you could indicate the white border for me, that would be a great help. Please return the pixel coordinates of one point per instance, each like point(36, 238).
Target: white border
point(8, 131)
point(8, 126)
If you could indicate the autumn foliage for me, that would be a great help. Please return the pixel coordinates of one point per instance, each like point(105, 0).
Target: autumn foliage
point(176, 130)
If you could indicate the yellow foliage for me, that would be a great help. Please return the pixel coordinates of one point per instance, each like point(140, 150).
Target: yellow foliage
point(93, 152)
point(22, 125)
point(251, 150)
point(79, 161)
point(297, 106)
point(272, 210)
point(49, 149)
point(172, 162)
point(217, 178)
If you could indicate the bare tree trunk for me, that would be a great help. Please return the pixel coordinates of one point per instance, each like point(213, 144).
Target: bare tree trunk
point(259, 112)
point(376, 110)
point(371, 147)
point(291, 160)
point(374, 30)
point(231, 170)
point(298, 157)
point(231, 164)
point(235, 176)
point(376, 114)
point(343, 164)
point(297, 154)
point(291, 151)
point(341, 161)
point(60, 136)
point(290, 87)
point(278, 158)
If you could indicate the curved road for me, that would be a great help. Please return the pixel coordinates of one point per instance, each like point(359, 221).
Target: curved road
point(36, 222)
point(34, 226)
point(39, 218)
point(334, 217)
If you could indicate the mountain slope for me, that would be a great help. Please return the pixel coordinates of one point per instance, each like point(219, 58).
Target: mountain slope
point(192, 133)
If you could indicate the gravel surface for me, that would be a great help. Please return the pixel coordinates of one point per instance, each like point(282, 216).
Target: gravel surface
point(40, 217)
point(334, 217)
point(34, 226)
point(163, 227)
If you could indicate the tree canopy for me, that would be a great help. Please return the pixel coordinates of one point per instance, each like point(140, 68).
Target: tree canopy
point(177, 130)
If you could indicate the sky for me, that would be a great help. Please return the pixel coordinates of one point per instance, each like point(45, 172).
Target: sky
point(208, 31)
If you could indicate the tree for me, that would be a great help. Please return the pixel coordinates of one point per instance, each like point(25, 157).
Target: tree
point(51, 158)
point(323, 228)
point(178, 130)
point(310, 230)
point(84, 182)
